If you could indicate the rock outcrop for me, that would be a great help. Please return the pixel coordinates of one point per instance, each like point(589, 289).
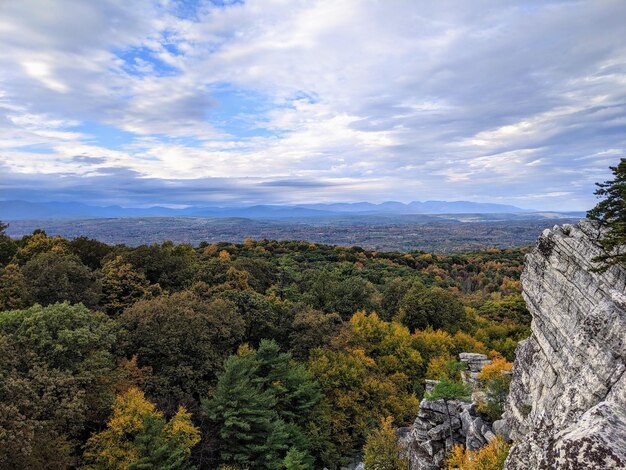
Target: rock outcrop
point(439, 426)
point(567, 403)
point(428, 440)
point(475, 363)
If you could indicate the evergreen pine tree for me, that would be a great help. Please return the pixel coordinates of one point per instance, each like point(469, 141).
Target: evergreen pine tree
point(244, 413)
point(261, 404)
point(610, 213)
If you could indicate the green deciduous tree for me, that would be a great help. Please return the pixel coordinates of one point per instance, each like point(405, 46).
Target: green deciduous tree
point(184, 339)
point(8, 247)
point(56, 276)
point(434, 307)
point(91, 252)
point(56, 379)
point(261, 316)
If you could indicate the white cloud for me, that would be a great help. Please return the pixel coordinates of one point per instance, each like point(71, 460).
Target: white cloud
point(390, 100)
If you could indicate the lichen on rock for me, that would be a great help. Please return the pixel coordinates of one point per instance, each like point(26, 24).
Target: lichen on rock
point(567, 402)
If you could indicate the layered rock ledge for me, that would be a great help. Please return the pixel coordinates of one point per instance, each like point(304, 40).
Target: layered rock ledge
point(439, 425)
point(567, 403)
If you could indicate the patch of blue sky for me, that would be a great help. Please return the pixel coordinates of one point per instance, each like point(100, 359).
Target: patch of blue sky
point(240, 113)
point(104, 135)
point(225, 3)
point(189, 9)
point(141, 61)
point(186, 8)
point(35, 148)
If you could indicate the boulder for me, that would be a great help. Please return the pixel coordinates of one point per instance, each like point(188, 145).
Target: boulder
point(428, 440)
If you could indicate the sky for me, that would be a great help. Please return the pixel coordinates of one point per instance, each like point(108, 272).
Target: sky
point(177, 103)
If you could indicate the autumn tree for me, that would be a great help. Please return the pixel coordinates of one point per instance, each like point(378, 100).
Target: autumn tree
point(37, 243)
point(382, 450)
point(390, 344)
point(496, 379)
point(311, 329)
point(433, 343)
point(489, 457)
point(122, 286)
point(138, 436)
point(15, 293)
point(57, 372)
point(57, 276)
point(370, 373)
point(610, 213)
point(184, 339)
point(437, 308)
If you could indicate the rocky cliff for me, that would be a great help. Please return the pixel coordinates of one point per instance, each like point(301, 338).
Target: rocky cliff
point(567, 403)
point(440, 425)
point(428, 441)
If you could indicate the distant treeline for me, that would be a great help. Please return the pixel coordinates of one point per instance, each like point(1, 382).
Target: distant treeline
point(436, 234)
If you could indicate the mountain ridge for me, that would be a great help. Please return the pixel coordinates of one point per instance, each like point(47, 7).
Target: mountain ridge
point(24, 210)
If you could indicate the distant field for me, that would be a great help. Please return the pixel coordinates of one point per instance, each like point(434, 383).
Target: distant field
point(383, 234)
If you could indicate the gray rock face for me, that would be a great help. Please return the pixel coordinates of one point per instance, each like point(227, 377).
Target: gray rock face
point(567, 403)
point(475, 363)
point(501, 428)
point(428, 440)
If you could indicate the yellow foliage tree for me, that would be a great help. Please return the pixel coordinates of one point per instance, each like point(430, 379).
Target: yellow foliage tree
point(496, 383)
point(494, 370)
point(137, 433)
point(432, 343)
point(489, 457)
point(367, 375)
point(382, 450)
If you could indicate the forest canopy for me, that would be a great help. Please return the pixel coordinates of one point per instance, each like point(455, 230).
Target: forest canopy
point(266, 354)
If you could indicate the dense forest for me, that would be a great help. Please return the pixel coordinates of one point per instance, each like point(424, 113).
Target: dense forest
point(264, 354)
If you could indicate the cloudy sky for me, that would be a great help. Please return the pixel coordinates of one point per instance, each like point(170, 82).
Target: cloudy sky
point(283, 101)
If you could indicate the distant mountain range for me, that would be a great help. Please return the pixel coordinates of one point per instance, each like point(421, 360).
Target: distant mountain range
point(23, 210)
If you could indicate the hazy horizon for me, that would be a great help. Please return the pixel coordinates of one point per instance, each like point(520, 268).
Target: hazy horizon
point(200, 103)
